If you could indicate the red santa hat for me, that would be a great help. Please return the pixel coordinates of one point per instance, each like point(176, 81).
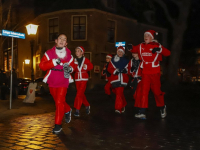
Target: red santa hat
point(109, 55)
point(151, 33)
point(121, 48)
point(81, 48)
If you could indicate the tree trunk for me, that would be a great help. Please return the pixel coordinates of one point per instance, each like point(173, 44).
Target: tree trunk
point(175, 54)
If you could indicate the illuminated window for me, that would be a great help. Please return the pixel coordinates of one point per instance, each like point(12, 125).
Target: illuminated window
point(111, 31)
point(79, 27)
point(53, 29)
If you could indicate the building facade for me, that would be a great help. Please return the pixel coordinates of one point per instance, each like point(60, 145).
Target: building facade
point(96, 30)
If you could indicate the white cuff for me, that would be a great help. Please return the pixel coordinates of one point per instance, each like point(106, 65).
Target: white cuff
point(115, 71)
point(54, 62)
point(159, 51)
point(85, 67)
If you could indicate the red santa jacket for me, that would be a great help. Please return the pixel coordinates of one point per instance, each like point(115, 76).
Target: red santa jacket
point(80, 72)
point(118, 63)
point(150, 62)
point(55, 74)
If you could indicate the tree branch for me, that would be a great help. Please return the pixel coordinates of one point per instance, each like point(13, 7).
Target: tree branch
point(163, 5)
point(8, 16)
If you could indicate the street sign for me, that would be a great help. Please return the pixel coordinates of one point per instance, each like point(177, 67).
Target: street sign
point(12, 34)
point(117, 44)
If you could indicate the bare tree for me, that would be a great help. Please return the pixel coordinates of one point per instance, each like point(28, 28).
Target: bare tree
point(179, 26)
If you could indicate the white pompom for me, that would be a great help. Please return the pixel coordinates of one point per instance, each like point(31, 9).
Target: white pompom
point(156, 33)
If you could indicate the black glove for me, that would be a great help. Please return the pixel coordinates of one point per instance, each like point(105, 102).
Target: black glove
point(58, 61)
point(132, 68)
point(133, 83)
point(156, 49)
point(139, 78)
point(116, 72)
point(129, 47)
point(124, 71)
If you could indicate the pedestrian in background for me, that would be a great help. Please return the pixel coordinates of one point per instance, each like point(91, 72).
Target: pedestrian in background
point(57, 62)
point(81, 68)
point(107, 87)
point(118, 68)
point(135, 72)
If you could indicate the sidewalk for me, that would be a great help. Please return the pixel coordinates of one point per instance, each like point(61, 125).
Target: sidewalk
point(18, 108)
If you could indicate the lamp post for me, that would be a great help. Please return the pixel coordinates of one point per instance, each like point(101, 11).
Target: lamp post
point(32, 30)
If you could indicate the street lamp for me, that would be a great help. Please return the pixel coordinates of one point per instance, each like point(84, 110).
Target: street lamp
point(32, 30)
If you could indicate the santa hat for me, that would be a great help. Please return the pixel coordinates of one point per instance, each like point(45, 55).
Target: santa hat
point(109, 55)
point(81, 48)
point(151, 33)
point(121, 48)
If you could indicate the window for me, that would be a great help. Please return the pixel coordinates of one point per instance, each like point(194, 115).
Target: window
point(111, 3)
point(79, 27)
point(111, 31)
point(53, 29)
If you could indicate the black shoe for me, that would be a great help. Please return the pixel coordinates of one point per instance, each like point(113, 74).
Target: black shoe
point(57, 129)
point(87, 110)
point(76, 114)
point(68, 116)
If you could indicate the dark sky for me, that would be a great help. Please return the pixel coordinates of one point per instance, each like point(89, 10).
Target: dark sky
point(192, 35)
point(137, 7)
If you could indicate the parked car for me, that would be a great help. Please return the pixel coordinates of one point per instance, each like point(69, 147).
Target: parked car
point(23, 85)
point(42, 88)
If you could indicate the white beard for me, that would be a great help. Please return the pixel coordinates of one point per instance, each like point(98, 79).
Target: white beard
point(61, 53)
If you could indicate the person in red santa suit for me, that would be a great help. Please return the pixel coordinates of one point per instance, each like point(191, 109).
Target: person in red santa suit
point(56, 61)
point(82, 66)
point(136, 75)
point(150, 53)
point(107, 75)
point(118, 68)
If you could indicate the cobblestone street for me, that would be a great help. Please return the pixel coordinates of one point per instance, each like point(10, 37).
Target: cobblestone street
point(29, 126)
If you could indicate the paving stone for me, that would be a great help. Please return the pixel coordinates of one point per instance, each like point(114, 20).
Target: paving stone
point(34, 146)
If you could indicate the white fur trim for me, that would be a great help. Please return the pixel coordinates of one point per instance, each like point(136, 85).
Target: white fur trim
point(80, 48)
point(47, 76)
point(61, 53)
point(54, 62)
point(121, 50)
point(85, 67)
point(149, 34)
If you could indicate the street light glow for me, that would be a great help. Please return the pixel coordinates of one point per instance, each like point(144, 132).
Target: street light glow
point(27, 61)
point(31, 29)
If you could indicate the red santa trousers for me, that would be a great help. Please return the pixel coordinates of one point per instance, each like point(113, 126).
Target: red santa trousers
point(59, 96)
point(138, 95)
point(120, 100)
point(151, 81)
point(80, 96)
point(107, 88)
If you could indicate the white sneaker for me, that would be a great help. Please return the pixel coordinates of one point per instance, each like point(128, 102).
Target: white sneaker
point(140, 116)
point(117, 111)
point(163, 112)
point(123, 109)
